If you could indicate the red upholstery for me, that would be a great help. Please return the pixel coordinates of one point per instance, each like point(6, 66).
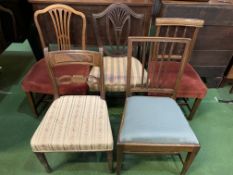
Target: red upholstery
point(37, 79)
point(191, 85)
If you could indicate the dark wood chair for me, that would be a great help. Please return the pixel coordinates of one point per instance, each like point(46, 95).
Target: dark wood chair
point(191, 85)
point(115, 23)
point(228, 78)
point(156, 125)
point(59, 19)
point(74, 123)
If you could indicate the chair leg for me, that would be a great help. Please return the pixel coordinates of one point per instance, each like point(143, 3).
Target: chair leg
point(189, 159)
point(110, 161)
point(32, 103)
point(194, 108)
point(231, 90)
point(44, 162)
point(119, 160)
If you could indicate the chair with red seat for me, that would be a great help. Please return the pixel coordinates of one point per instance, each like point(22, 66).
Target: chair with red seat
point(37, 79)
point(191, 85)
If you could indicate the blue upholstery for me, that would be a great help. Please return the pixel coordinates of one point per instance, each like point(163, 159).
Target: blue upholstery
point(157, 120)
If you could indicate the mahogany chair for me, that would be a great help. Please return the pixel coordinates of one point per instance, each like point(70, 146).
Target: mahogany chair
point(36, 81)
point(116, 23)
point(191, 85)
point(228, 78)
point(156, 125)
point(74, 123)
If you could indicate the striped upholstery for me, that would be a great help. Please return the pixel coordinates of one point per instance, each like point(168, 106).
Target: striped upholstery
point(74, 123)
point(115, 74)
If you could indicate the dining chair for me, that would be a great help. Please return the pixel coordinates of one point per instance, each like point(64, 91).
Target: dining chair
point(156, 124)
point(60, 19)
point(191, 85)
point(73, 123)
point(112, 28)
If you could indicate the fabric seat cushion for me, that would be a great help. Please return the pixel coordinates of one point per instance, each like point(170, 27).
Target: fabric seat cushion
point(155, 120)
point(115, 73)
point(74, 123)
point(37, 79)
point(191, 85)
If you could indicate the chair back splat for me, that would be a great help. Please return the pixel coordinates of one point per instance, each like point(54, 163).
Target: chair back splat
point(60, 19)
point(57, 60)
point(116, 22)
point(161, 53)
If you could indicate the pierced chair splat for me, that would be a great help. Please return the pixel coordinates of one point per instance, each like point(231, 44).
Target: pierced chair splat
point(60, 19)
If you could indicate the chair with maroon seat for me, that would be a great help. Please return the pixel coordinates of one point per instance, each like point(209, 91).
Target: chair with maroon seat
point(191, 85)
point(37, 80)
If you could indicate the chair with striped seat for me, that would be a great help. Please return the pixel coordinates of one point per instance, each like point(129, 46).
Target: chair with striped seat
point(156, 124)
point(74, 123)
point(115, 23)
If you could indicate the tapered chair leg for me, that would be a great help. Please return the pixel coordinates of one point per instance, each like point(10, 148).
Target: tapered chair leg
point(32, 103)
point(231, 90)
point(44, 162)
point(119, 160)
point(110, 161)
point(194, 108)
point(189, 159)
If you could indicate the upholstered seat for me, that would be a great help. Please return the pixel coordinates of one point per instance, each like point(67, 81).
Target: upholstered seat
point(37, 79)
point(115, 73)
point(156, 120)
point(41, 83)
point(191, 85)
point(74, 123)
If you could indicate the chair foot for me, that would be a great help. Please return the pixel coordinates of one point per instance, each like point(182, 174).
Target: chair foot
point(189, 159)
point(110, 161)
point(119, 160)
point(194, 108)
point(44, 162)
point(231, 90)
point(32, 103)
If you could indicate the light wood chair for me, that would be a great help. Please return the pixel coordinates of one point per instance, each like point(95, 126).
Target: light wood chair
point(156, 125)
point(74, 123)
point(60, 19)
point(116, 22)
point(191, 85)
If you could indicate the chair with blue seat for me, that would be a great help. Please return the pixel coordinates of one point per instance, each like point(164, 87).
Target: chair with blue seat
point(156, 124)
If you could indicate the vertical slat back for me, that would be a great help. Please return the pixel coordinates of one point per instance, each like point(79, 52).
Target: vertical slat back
point(61, 18)
point(157, 63)
point(56, 59)
point(179, 27)
point(116, 22)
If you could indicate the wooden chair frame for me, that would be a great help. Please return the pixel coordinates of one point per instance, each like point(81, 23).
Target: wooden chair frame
point(119, 16)
point(186, 23)
point(9, 12)
point(61, 17)
point(84, 57)
point(144, 148)
point(74, 57)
